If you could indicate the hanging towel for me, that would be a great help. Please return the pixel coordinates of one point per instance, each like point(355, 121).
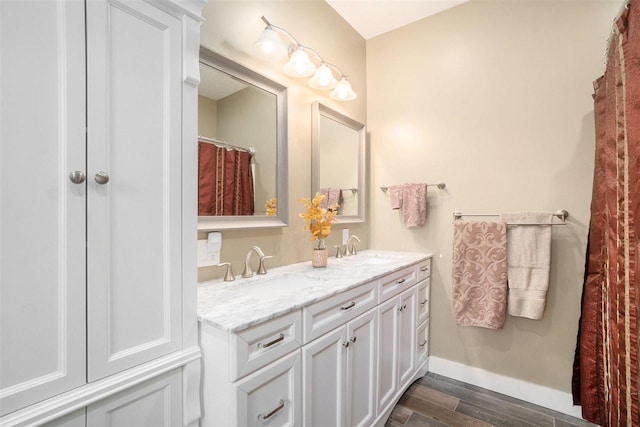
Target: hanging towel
point(395, 196)
point(414, 205)
point(480, 273)
point(529, 261)
point(332, 196)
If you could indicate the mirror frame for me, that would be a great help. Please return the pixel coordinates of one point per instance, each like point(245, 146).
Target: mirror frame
point(319, 110)
point(235, 70)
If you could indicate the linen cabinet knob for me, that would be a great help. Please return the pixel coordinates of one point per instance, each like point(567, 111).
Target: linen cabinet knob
point(77, 177)
point(102, 178)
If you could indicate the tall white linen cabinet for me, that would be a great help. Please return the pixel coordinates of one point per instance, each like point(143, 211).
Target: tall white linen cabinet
point(98, 208)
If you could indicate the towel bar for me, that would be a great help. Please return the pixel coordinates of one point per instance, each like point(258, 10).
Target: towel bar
point(440, 185)
point(562, 214)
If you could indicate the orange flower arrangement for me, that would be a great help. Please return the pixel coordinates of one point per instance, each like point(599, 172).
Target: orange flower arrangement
point(318, 220)
point(271, 207)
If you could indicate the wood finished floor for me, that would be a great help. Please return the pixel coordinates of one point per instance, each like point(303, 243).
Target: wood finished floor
point(438, 401)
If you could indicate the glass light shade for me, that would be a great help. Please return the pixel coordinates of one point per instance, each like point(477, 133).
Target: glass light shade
point(343, 91)
point(269, 46)
point(299, 64)
point(323, 79)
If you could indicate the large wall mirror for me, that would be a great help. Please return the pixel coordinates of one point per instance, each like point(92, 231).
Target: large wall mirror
point(242, 147)
point(338, 162)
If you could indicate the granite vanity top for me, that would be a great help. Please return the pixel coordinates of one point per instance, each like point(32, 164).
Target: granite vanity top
point(237, 305)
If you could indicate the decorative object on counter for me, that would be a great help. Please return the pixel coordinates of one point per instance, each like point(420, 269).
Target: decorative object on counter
point(270, 47)
point(271, 207)
point(318, 221)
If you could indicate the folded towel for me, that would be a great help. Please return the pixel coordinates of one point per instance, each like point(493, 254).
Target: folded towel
point(414, 205)
point(480, 273)
point(332, 196)
point(529, 262)
point(395, 196)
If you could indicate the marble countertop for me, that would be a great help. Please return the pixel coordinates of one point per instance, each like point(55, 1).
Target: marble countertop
point(237, 305)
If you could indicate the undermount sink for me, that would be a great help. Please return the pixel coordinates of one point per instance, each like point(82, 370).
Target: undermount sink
point(278, 285)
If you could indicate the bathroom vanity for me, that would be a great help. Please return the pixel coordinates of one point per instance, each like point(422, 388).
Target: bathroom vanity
point(336, 346)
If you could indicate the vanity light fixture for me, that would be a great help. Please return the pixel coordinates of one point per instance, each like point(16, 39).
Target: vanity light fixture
point(301, 64)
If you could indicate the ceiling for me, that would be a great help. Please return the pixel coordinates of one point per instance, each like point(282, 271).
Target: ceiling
point(373, 17)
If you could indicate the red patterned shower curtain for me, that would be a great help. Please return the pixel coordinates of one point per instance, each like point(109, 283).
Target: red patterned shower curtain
point(225, 181)
point(606, 377)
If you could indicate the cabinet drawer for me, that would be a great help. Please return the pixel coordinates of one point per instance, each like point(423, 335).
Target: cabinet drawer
point(272, 396)
point(255, 347)
point(424, 289)
point(424, 269)
point(397, 282)
point(422, 343)
point(328, 314)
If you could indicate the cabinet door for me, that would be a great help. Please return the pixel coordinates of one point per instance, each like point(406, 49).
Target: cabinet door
point(134, 62)
point(362, 369)
point(270, 396)
point(42, 213)
point(422, 343)
point(323, 379)
point(154, 403)
point(387, 352)
point(406, 336)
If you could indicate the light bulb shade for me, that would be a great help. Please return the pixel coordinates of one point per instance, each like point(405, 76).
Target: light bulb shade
point(343, 91)
point(299, 64)
point(323, 79)
point(269, 46)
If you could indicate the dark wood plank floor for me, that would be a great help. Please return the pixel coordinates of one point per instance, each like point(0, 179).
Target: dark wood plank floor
point(438, 401)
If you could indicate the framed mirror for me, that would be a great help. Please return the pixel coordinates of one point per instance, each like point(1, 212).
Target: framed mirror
point(242, 147)
point(338, 162)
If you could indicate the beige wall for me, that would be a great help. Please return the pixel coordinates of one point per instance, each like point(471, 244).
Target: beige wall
point(207, 117)
point(230, 29)
point(494, 98)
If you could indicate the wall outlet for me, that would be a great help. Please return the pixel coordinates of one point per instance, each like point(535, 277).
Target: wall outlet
point(345, 235)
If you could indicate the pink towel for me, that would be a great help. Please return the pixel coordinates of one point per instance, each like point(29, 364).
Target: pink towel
point(332, 196)
point(412, 198)
point(480, 273)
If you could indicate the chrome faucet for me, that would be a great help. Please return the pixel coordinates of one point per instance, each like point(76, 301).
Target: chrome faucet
point(351, 250)
point(247, 266)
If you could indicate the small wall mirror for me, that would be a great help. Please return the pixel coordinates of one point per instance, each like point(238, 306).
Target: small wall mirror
point(242, 147)
point(338, 161)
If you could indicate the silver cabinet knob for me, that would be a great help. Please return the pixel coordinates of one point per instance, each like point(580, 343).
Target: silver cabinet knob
point(102, 178)
point(77, 177)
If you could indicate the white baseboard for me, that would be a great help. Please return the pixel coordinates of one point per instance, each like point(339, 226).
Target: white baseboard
point(529, 392)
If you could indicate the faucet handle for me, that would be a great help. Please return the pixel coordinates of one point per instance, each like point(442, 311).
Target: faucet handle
point(261, 267)
point(338, 251)
point(228, 276)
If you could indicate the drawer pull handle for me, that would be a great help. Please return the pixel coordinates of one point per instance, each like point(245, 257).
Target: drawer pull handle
point(347, 307)
point(400, 282)
point(423, 269)
point(402, 307)
point(270, 343)
point(422, 345)
point(424, 302)
point(263, 417)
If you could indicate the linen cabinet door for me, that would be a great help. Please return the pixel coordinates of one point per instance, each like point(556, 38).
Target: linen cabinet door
point(270, 396)
point(324, 379)
point(406, 336)
point(362, 369)
point(154, 403)
point(42, 212)
point(387, 352)
point(134, 62)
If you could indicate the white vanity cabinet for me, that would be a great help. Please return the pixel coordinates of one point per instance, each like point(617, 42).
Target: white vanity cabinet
point(97, 211)
point(339, 378)
point(340, 360)
point(253, 376)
